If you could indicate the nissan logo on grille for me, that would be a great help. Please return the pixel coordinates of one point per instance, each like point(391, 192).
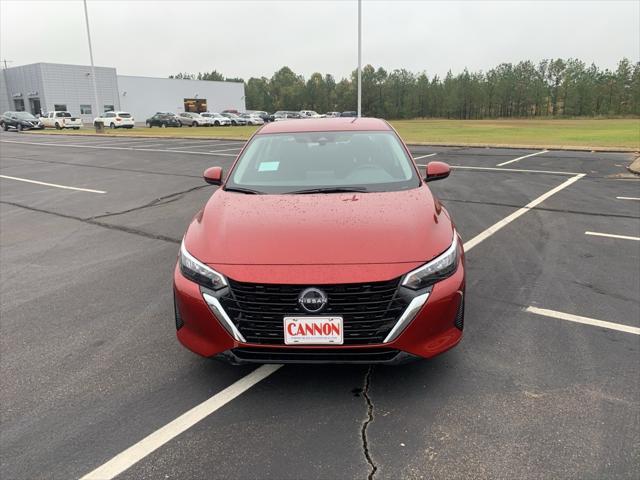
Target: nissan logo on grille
point(312, 300)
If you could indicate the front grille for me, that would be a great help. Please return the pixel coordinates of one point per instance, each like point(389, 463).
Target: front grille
point(369, 310)
point(308, 355)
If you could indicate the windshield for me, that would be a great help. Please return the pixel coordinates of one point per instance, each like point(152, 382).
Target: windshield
point(291, 162)
point(25, 116)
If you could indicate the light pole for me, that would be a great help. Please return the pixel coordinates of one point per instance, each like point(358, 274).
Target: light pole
point(359, 58)
point(93, 68)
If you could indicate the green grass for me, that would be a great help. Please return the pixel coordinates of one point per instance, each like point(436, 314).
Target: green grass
point(585, 133)
point(623, 134)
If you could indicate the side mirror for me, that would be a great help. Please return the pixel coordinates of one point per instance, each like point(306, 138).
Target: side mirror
point(213, 175)
point(437, 171)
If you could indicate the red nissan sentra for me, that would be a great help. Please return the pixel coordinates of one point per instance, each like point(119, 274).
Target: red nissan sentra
point(323, 244)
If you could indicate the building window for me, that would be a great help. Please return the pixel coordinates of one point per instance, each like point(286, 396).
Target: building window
point(85, 109)
point(109, 108)
point(18, 103)
point(60, 107)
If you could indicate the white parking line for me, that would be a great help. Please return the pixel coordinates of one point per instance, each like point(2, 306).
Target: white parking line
point(518, 213)
point(522, 158)
point(225, 149)
point(197, 144)
point(66, 187)
point(425, 156)
point(628, 198)
point(118, 148)
point(585, 320)
point(155, 440)
point(521, 170)
point(611, 235)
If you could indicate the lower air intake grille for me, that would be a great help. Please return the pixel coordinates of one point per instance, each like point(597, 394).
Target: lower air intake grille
point(308, 355)
point(459, 321)
point(178, 317)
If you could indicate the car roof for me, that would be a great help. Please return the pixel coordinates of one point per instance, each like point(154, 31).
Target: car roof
point(326, 125)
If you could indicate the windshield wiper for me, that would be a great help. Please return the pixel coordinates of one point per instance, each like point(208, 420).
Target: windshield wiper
point(242, 190)
point(329, 190)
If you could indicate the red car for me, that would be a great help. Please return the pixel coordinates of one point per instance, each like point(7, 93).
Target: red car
point(323, 244)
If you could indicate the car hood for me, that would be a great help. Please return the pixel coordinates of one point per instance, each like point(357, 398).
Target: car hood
point(320, 229)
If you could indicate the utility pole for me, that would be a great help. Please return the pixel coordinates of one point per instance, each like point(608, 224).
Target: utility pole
point(359, 58)
point(93, 69)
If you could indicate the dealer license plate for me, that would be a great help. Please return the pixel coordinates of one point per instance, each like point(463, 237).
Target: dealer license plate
point(313, 330)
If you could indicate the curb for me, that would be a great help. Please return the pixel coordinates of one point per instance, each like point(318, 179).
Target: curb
point(417, 144)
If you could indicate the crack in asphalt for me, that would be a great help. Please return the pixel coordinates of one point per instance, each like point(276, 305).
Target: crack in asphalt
point(365, 424)
point(91, 221)
point(165, 199)
point(543, 209)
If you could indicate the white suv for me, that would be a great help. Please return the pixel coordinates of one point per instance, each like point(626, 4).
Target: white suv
point(216, 119)
point(116, 120)
point(191, 119)
point(60, 120)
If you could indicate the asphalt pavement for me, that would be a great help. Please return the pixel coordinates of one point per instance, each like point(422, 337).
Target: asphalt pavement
point(544, 384)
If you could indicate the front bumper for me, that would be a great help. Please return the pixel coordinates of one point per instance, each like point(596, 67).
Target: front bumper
point(437, 327)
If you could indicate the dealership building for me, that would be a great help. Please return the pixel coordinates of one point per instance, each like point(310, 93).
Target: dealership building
point(43, 87)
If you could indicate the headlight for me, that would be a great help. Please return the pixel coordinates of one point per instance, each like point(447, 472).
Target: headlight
point(198, 272)
point(437, 269)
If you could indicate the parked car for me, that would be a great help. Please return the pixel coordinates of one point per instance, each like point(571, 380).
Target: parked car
point(20, 121)
point(332, 114)
point(115, 120)
point(192, 119)
point(216, 119)
point(310, 114)
point(287, 115)
point(163, 120)
point(349, 113)
point(343, 287)
point(262, 114)
point(60, 120)
point(252, 119)
point(235, 119)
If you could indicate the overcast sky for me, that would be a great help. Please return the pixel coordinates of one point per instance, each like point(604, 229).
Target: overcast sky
point(255, 38)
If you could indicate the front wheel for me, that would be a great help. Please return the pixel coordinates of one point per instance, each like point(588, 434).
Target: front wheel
point(194, 124)
point(19, 127)
point(4, 127)
point(149, 125)
point(58, 127)
point(112, 126)
point(216, 123)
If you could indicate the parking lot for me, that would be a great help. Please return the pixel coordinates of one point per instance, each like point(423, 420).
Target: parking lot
point(545, 383)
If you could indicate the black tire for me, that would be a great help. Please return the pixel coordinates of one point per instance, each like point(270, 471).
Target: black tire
point(179, 124)
point(58, 127)
point(216, 123)
point(234, 123)
point(194, 124)
point(76, 128)
point(112, 126)
point(4, 127)
point(149, 125)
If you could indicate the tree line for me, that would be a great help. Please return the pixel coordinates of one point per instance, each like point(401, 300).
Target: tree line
point(550, 88)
